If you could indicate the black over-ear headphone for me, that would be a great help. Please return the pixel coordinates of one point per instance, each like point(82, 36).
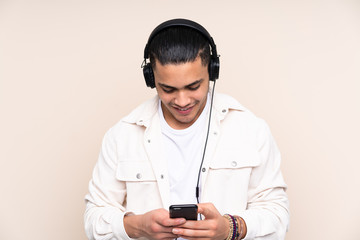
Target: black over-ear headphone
point(214, 64)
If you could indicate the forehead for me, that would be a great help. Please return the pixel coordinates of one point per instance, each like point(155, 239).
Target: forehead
point(181, 74)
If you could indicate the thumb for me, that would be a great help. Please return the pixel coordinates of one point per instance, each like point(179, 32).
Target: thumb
point(208, 210)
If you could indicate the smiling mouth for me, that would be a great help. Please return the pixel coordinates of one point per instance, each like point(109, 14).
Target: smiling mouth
point(183, 111)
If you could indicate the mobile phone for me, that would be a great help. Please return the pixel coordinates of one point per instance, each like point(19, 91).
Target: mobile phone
point(187, 211)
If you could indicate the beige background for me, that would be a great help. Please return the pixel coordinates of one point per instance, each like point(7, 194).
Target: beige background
point(69, 70)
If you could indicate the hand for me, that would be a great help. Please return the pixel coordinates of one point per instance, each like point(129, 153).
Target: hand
point(214, 226)
point(155, 224)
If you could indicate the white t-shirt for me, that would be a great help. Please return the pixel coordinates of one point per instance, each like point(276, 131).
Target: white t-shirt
point(183, 151)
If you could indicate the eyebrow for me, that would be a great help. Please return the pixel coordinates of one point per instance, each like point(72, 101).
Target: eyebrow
point(187, 86)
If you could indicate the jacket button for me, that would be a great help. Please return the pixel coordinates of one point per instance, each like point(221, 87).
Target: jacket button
point(203, 169)
point(233, 163)
point(138, 176)
point(224, 110)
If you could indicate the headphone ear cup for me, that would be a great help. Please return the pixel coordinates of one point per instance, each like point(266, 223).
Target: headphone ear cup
point(214, 68)
point(149, 75)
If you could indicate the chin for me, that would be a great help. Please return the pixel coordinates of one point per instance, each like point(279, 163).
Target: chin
point(186, 121)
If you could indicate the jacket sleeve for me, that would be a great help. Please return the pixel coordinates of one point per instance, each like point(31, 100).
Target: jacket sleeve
point(267, 214)
point(104, 203)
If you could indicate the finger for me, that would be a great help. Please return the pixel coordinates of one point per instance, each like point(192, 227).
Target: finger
point(193, 238)
point(166, 236)
point(194, 225)
point(186, 233)
point(169, 222)
point(169, 235)
point(159, 229)
point(208, 210)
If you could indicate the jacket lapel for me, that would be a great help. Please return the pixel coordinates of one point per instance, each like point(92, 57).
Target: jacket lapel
point(210, 150)
point(154, 148)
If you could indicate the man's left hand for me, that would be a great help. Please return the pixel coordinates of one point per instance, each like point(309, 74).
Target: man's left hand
point(214, 226)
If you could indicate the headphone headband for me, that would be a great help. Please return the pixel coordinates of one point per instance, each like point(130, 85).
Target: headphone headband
point(180, 22)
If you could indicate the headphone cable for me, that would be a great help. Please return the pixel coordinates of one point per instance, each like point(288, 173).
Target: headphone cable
point(206, 140)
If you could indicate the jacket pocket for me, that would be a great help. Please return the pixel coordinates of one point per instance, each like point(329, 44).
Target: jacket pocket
point(227, 181)
point(236, 161)
point(142, 192)
point(135, 171)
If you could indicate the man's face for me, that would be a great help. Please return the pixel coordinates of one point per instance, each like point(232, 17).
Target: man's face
point(183, 90)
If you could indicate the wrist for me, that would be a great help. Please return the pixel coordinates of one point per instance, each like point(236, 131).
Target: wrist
point(132, 225)
point(227, 223)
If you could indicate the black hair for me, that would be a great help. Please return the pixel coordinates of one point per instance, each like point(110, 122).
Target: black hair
point(175, 45)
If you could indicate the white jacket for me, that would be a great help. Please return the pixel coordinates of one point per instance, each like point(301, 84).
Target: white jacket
point(241, 172)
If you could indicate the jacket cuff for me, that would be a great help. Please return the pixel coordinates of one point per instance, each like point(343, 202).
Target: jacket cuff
point(251, 226)
point(117, 225)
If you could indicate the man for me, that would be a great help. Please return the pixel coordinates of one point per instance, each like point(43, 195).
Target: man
point(187, 145)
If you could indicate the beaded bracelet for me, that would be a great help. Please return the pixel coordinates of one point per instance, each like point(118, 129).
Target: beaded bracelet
point(235, 227)
point(237, 235)
point(240, 226)
point(231, 226)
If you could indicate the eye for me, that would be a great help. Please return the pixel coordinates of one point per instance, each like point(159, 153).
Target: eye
point(194, 88)
point(168, 90)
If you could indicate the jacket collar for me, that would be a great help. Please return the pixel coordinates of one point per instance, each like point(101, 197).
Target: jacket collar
point(143, 114)
point(224, 103)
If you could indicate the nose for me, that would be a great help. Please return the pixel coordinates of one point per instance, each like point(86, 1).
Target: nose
point(182, 99)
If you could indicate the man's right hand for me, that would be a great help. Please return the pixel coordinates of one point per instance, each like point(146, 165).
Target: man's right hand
point(155, 224)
